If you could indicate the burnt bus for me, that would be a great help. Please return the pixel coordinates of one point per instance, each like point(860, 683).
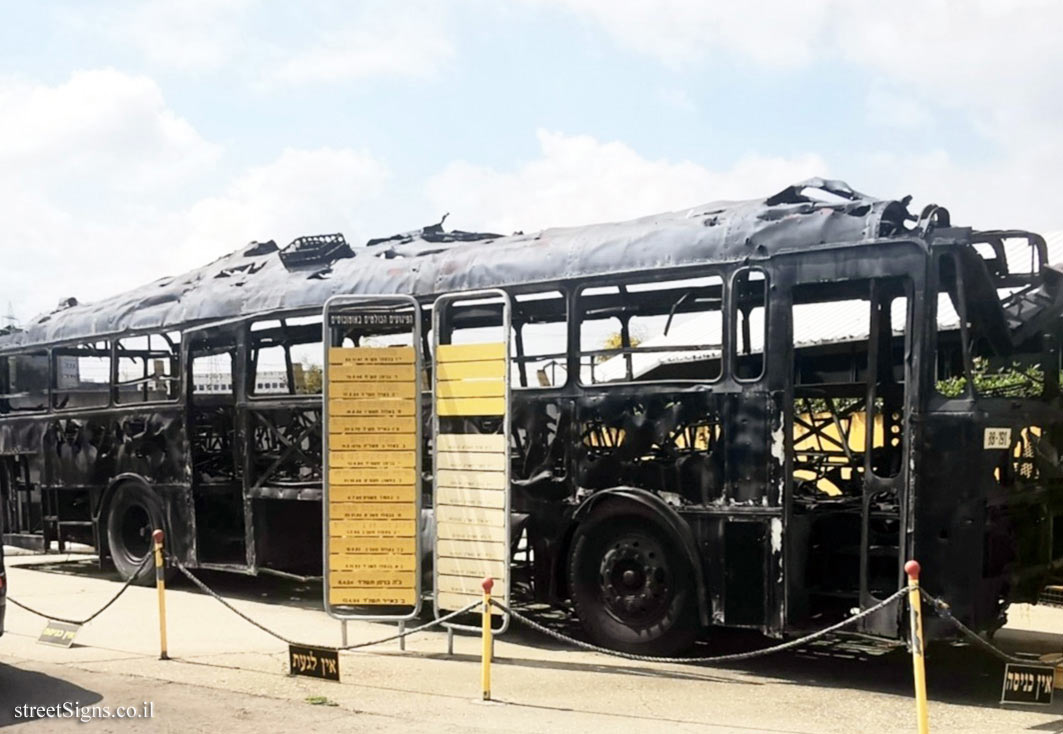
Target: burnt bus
point(745, 414)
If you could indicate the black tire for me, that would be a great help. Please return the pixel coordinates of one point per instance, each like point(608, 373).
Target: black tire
point(632, 584)
point(135, 511)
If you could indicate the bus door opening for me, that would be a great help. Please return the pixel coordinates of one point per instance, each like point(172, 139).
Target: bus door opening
point(849, 438)
point(216, 462)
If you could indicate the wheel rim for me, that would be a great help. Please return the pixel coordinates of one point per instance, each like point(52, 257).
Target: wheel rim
point(635, 579)
point(135, 531)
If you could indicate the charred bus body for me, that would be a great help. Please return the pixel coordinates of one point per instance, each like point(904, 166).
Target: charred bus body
point(744, 414)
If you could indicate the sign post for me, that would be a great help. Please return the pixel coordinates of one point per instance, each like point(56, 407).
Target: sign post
point(372, 451)
point(470, 424)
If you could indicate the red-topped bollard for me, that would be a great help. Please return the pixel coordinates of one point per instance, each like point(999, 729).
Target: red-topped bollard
point(160, 585)
point(485, 636)
point(915, 610)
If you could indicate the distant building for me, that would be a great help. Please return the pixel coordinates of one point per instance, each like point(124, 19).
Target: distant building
point(266, 381)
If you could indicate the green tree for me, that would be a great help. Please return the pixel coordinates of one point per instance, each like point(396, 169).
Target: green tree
point(615, 341)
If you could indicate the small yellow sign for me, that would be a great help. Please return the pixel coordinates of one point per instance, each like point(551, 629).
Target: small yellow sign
point(371, 355)
point(372, 442)
point(370, 374)
point(372, 459)
point(374, 424)
point(372, 597)
point(355, 493)
point(351, 550)
point(372, 510)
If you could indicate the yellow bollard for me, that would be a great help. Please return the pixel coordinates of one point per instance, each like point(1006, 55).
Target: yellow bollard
point(915, 609)
point(160, 585)
point(485, 653)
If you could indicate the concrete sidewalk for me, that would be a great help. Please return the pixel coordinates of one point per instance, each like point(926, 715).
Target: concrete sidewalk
point(541, 686)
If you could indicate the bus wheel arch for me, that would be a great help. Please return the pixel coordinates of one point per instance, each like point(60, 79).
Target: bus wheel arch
point(625, 561)
point(131, 509)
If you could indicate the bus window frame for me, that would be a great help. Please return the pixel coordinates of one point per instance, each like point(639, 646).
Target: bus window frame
point(250, 366)
point(53, 388)
point(642, 278)
point(11, 412)
point(176, 378)
point(732, 319)
point(518, 358)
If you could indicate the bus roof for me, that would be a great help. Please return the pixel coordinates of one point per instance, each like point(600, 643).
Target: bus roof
point(258, 278)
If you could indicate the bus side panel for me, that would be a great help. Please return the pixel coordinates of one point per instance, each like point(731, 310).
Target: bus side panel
point(61, 465)
point(983, 520)
point(91, 449)
point(949, 507)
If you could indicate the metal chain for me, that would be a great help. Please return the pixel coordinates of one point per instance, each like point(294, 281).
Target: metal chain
point(942, 608)
point(945, 611)
point(399, 635)
point(734, 657)
point(95, 614)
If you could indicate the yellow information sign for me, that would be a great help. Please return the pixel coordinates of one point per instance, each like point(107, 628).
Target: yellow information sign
point(471, 477)
point(372, 476)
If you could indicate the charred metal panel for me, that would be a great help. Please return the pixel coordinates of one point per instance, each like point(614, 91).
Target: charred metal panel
point(68, 462)
point(21, 436)
point(541, 437)
point(213, 447)
point(284, 452)
point(90, 449)
point(994, 504)
point(654, 437)
point(746, 420)
point(745, 551)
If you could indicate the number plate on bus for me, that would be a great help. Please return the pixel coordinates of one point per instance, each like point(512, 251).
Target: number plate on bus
point(997, 438)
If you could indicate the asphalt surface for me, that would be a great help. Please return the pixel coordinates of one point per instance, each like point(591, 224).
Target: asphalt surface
point(227, 675)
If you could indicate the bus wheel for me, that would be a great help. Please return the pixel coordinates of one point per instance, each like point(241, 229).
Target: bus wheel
point(134, 513)
point(631, 583)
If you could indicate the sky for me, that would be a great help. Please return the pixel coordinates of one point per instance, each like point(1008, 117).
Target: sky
point(142, 139)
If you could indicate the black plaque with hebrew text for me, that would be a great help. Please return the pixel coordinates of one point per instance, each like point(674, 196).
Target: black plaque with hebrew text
point(314, 662)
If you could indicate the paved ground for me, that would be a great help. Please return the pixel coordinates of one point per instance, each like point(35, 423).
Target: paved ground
point(227, 674)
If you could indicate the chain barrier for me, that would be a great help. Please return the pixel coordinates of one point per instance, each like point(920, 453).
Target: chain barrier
point(942, 609)
point(731, 658)
point(354, 646)
point(945, 612)
point(98, 612)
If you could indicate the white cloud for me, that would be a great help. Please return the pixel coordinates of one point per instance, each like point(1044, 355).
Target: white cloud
point(680, 32)
point(392, 44)
point(301, 192)
point(984, 66)
point(1021, 191)
point(579, 179)
point(319, 41)
point(99, 128)
point(190, 35)
point(95, 173)
point(186, 36)
point(999, 60)
point(891, 109)
point(81, 163)
point(677, 98)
